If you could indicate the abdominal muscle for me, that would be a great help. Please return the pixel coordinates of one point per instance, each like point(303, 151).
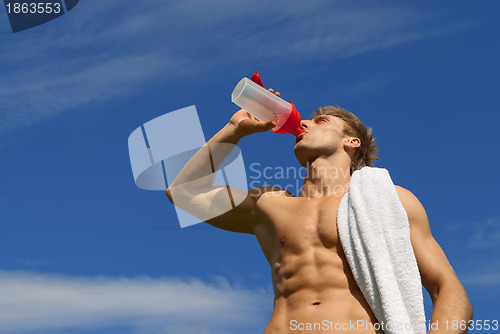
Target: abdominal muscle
point(315, 294)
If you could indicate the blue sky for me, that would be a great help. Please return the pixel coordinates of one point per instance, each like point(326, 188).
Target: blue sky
point(83, 250)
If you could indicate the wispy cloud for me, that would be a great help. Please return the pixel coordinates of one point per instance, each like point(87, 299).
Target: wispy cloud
point(485, 235)
point(104, 50)
point(34, 301)
point(26, 101)
point(32, 263)
point(477, 250)
point(476, 235)
point(484, 279)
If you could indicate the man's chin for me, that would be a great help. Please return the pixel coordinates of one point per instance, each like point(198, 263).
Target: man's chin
point(302, 161)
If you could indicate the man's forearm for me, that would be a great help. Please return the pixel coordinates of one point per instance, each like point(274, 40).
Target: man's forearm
point(209, 157)
point(452, 311)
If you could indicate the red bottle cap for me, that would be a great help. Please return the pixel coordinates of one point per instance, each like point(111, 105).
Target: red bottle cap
point(292, 123)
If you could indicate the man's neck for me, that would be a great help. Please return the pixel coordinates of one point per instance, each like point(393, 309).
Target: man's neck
point(327, 176)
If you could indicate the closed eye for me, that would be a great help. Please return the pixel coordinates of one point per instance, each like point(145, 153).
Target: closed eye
point(321, 119)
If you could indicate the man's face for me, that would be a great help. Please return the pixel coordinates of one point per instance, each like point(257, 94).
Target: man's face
point(322, 136)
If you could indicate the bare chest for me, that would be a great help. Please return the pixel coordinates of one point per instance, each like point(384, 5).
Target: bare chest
point(298, 224)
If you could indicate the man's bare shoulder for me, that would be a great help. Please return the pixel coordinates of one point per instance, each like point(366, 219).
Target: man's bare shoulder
point(403, 191)
point(405, 196)
point(410, 202)
point(414, 209)
point(269, 191)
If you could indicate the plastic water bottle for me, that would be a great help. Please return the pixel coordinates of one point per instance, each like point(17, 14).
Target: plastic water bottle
point(265, 106)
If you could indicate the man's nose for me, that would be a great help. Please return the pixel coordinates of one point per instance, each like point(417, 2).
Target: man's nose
point(305, 124)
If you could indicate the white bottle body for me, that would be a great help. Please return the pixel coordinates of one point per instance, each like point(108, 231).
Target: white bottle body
point(261, 103)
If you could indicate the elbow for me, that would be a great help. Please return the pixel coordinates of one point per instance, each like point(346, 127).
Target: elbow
point(456, 295)
point(469, 310)
point(181, 196)
point(467, 305)
point(169, 196)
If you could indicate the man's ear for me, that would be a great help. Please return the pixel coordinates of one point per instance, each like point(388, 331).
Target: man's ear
point(352, 142)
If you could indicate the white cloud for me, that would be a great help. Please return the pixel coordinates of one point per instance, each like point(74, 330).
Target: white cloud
point(31, 262)
point(105, 50)
point(485, 235)
point(481, 235)
point(34, 301)
point(487, 279)
point(475, 254)
point(27, 101)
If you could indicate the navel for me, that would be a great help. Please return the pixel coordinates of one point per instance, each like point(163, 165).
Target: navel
point(282, 241)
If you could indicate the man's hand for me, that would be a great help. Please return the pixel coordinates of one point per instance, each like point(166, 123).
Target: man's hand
point(245, 124)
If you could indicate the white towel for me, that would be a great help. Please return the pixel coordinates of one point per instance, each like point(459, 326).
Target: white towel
point(375, 235)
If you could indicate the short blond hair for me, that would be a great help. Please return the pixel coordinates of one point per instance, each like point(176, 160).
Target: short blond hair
point(368, 150)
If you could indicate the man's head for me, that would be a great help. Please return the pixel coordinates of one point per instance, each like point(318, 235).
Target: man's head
point(331, 130)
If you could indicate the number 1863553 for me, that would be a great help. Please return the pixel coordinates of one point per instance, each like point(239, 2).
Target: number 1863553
point(34, 8)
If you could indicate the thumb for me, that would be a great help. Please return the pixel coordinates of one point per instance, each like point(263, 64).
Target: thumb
point(267, 126)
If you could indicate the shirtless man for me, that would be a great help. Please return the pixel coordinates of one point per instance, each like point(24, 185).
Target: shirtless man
point(312, 281)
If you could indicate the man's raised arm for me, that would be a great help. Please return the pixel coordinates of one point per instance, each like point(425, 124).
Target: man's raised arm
point(193, 189)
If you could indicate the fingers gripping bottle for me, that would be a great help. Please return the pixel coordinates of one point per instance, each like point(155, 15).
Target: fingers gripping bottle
point(252, 96)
